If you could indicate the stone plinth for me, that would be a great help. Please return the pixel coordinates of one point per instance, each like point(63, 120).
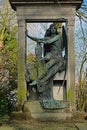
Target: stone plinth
point(37, 112)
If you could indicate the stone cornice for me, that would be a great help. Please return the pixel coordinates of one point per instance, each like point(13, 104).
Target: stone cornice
point(15, 3)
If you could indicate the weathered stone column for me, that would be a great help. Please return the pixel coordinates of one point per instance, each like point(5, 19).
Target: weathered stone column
point(21, 62)
point(71, 62)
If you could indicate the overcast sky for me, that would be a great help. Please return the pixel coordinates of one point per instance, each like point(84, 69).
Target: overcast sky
point(2, 1)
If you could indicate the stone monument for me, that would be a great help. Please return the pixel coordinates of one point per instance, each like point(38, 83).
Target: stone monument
point(37, 11)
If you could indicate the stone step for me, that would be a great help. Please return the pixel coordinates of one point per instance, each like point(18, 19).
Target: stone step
point(37, 112)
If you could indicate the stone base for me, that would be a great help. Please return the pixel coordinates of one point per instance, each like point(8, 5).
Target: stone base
point(37, 112)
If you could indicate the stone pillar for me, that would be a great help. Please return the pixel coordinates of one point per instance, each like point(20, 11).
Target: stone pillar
point(71, 62)
point(21, 62)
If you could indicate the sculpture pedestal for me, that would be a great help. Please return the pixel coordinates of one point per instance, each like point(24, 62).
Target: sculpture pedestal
point(37, 112)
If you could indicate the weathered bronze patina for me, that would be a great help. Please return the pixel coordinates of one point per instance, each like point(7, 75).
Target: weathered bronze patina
point(53, 62)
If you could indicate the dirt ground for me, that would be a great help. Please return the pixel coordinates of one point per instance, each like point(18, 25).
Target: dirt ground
point(37, 125)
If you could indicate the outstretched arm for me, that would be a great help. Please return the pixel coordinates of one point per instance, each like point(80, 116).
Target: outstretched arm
point(44, 40)
point(38, 40)
point(32, 38)
point(52, 39)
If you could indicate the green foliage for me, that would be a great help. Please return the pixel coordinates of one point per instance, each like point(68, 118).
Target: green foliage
point(3, 106)
point(8, 40)
point(32, 65)
point(82, 85)
point(82, 95)
point(8, 58)
point(31, 57)
point(9, 53)
point(35, 67)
